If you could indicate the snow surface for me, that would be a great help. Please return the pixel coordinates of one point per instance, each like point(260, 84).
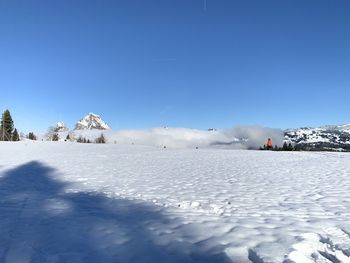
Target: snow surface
point(69, 202)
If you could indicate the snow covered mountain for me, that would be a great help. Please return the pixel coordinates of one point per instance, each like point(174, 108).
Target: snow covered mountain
point(330, 137)
point(91, 122)
point(60, 127)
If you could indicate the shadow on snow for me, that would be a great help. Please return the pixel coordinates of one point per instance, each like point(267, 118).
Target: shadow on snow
point(40, 222)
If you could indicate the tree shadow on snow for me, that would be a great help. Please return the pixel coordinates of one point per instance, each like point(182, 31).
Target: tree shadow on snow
point(40, 222)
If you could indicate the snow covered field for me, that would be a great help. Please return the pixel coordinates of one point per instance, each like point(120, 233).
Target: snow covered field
point(68, 202)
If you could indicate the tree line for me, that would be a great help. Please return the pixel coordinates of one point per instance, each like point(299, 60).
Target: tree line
point(8, 132)
point(286, 147)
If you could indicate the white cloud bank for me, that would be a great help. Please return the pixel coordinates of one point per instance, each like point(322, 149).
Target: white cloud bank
point(244, 137)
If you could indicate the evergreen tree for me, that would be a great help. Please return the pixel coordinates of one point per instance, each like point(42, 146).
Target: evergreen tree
point(6, 126)
point(55, 137)
point(290, 147)
point(15, 136)
point(285, 146)
point(100, 139)
point(31, 136)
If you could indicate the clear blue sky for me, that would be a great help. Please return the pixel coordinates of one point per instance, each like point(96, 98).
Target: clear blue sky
point(181, 63)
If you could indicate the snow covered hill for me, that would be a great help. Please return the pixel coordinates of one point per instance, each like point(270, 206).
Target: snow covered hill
point(69, 202)
point(91, 122)
point(334, 138)
point(60, 127)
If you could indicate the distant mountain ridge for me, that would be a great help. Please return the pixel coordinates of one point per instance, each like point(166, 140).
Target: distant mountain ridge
point(325, 138)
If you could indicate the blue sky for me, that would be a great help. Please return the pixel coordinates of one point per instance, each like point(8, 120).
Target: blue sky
point(180, 63)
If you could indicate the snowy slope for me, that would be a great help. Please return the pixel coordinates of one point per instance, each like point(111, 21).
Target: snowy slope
point(323, 138)
point(68, 202)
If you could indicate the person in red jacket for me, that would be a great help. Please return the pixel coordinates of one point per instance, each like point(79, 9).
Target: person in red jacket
point(269, 144)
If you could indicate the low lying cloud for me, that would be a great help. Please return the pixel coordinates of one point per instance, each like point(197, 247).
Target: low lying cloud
point(252, 137)
point(244, 137)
